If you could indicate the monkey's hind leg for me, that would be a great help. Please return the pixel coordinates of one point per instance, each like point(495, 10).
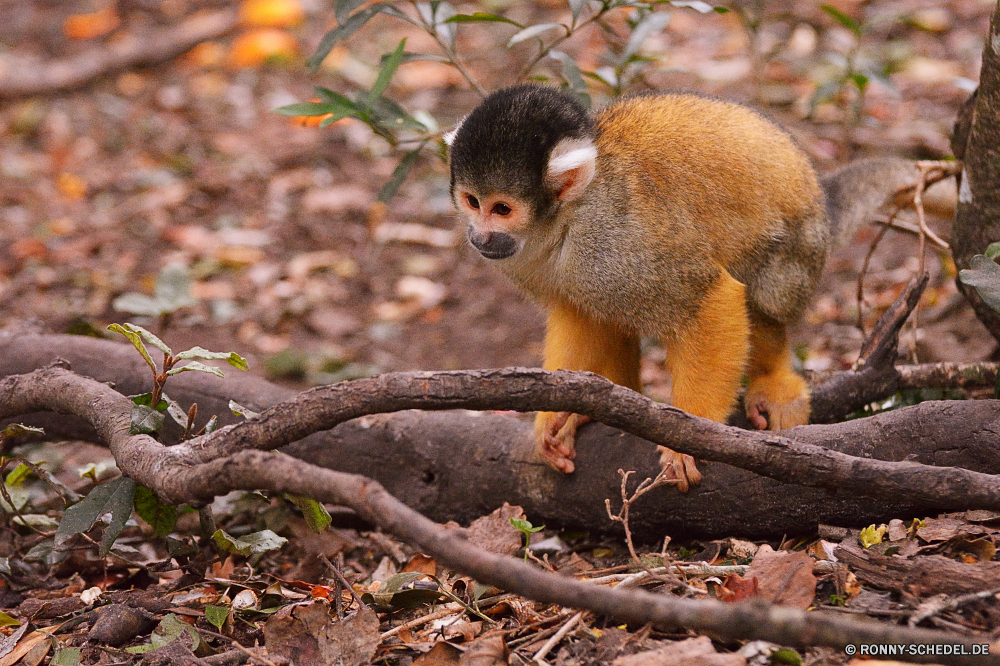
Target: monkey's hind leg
point(706, 362)
point(574, 341)
point(774, 387)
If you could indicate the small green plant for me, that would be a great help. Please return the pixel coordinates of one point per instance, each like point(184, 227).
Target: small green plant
point(147, 412)
point(622, 62)
point(983, 275)
point(525, 527)
point(855, 69)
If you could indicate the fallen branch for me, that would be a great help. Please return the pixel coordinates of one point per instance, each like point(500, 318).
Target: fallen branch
point(189, 473)
point(23, 79)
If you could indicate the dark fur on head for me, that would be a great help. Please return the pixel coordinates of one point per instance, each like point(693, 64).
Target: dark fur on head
point(505, 143)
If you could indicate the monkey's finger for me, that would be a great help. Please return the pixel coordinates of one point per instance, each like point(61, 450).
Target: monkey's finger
point(757, 419)
point(551, 454)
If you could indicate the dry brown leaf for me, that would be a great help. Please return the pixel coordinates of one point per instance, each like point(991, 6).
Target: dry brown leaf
point(422, 563)
point(697, 650)
point(308, 634)
point(488, 650)
point(495, 533)
point(441, 654)
point(785, 577)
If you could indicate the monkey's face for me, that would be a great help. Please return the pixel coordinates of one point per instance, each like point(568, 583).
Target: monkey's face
point(495, 222)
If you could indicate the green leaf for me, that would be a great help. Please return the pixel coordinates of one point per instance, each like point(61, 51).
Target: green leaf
point(859, 79)
point(144, 420)
point(389, 66)
point(399, 591)
point(150, 338)
point(871, 535)
point(574, 77)
point(17, 477)
point(316, 515)
point(19, 496)
point(483, 17)
point(129, 332)
point(842, 18)
point(983, 274)
point(196, 366)
point(232, 358)
point(239, 410)
point(525, 526)
point(161, 517)
point(389, 115)
point(146, 399)
point(19, 430)
point(399, 174)
point(216, 615)
point(212, 424)
point(251, 544)
point(7, 620)
point(786, 656)
point(305, 109)
point(651, 25)
point(992, 251)
point(533, 31)
point(170, 629)
point(342, 31)
point(114, 497)
point(66, 656)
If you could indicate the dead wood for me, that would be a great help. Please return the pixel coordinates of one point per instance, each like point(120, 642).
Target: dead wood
point(922, 576)
point(23, 79)
point(977, 140)
point(461, 465)
point(193, 472)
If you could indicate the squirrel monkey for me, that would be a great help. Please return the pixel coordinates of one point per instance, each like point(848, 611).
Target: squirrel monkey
point(686, 217)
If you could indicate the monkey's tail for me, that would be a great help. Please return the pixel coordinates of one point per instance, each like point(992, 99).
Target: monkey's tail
point(857, 190)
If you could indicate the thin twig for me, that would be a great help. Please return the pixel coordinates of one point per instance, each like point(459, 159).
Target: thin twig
point(622, 517)
point(452, 609)
point(558, 636)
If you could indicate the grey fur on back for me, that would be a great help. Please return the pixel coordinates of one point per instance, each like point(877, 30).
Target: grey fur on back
point(855, 191)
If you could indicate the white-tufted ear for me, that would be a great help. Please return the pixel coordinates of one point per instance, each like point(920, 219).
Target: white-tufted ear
point(449, 137)
point(572, 165)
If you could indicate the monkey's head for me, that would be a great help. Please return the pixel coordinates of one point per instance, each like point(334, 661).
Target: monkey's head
point(517, 157)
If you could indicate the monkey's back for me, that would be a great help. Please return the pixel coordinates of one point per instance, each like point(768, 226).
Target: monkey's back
point(704, 176)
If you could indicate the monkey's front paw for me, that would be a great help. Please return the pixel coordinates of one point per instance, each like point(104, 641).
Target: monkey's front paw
point(555, 438)
point(680, 468)
point(784, 397)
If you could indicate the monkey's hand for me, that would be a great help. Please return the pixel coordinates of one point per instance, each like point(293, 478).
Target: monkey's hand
point(679, 468)
point(783, 396)
point(555, 438)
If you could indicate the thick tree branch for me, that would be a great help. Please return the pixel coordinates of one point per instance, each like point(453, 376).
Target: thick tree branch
point(171, 474)
point(977, 142)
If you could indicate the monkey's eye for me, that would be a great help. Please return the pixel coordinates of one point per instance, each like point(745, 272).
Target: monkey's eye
point(501, 209)
point(473, 201)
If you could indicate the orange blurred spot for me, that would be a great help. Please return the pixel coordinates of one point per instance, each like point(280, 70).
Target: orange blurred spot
point(71, 186)
point(26, 248)
point(205, 55)
point(263, 45)
point(89, 26)
point(271, 13)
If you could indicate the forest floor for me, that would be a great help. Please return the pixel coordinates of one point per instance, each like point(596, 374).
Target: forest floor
point(296, 267)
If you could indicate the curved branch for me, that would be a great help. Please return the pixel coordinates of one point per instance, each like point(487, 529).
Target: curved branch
point(169, 473)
